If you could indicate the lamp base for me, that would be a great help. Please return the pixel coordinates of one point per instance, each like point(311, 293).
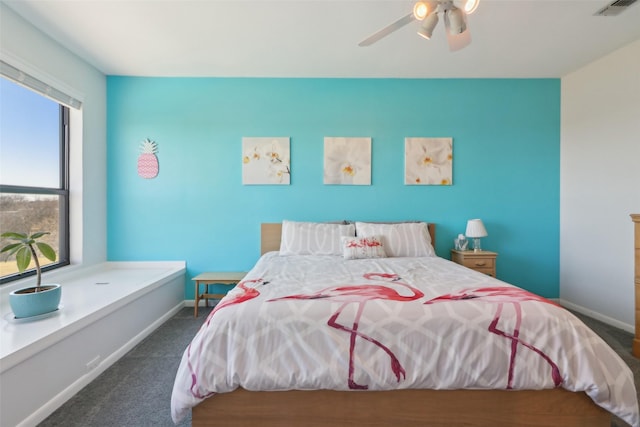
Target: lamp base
point(476, 245)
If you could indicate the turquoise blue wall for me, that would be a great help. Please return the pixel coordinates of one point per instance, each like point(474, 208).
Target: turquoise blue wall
point(506, 167)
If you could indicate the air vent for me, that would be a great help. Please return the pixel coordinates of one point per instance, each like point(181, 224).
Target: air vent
point(615, 8)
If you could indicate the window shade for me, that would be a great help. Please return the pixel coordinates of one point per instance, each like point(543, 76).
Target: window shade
point(24, 79)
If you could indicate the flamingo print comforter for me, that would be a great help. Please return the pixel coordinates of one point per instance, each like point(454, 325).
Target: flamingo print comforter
point(322, 322)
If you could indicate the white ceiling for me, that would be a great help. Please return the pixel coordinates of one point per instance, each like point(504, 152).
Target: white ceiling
point(319, 38)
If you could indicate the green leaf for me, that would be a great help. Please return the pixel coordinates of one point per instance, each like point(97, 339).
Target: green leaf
point(38, 235)
point(46, 250)
point(11, 235)
point(15, 249)
point(10, 246)
point(23, 258)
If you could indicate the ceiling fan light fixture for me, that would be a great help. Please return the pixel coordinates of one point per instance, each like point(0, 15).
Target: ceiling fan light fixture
point(421, 10)
point(454, 13)
point(427, 26)
point(470, 6)
point(456, 21)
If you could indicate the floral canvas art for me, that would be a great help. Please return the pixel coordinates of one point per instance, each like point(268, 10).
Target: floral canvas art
point(347, 160)
point(265, 161)
point(428, 161)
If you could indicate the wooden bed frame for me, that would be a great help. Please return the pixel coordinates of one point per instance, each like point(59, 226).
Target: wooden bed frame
point(397, 408)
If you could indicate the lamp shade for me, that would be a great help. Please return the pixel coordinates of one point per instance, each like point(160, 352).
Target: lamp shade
point(456, 21)
point(475, 229)
point(426, 29)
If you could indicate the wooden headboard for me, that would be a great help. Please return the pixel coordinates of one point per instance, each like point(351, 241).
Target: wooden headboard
point(270, 236)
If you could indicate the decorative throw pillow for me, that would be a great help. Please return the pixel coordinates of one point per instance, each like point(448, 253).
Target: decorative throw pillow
point(313, 238)
point(408, 239)
point(362, 247)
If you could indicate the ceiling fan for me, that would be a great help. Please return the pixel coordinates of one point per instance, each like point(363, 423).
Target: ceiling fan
point(454, 13)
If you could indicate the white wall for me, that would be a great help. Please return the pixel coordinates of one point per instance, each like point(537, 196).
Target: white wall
point(600, 185)
point(22, 45)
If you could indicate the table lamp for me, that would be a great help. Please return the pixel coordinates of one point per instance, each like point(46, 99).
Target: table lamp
point(476, 230)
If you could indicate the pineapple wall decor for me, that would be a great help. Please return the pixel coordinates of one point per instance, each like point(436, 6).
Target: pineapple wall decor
point(147, 161)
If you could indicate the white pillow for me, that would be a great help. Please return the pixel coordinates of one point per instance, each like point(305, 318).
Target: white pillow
point(407, 239)
point(362, 247)
point(313, 238)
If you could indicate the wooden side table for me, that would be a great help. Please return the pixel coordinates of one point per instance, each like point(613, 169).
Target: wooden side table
point(218, 278)
point(482, 261)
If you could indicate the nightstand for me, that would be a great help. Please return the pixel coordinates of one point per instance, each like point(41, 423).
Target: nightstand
point(483, 261)
point(214, 278)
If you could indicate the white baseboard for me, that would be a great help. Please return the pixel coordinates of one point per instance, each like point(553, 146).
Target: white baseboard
point(192, 303)
point(594, 314)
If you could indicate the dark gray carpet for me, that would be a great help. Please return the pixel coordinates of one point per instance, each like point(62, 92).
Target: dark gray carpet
point(136, 390)
point(621, 342)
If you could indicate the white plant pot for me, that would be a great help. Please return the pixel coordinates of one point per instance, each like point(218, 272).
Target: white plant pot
point(26, 302)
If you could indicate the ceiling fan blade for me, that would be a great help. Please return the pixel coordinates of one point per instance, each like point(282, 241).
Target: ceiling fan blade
point(388, 30)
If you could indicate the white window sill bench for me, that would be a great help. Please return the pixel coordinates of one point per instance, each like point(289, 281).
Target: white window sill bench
point(104, 312)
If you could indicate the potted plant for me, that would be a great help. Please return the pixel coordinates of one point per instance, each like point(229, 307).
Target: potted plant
point(31, 301)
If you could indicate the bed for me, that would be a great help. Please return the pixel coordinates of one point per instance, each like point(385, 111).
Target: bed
point(311, 338)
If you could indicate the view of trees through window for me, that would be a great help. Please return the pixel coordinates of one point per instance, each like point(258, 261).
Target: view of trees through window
point(29, 214)
point(33, 171)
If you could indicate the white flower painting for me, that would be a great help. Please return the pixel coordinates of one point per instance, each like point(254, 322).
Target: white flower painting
point(347, 161)
point(265, 161)
point(428, 161)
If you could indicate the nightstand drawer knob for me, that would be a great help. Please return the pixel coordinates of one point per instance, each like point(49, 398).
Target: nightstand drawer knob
point(481, 263)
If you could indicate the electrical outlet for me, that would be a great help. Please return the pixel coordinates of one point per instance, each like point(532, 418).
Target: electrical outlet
point(93, 363)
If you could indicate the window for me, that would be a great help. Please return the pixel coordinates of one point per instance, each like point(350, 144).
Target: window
point(34, 188)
